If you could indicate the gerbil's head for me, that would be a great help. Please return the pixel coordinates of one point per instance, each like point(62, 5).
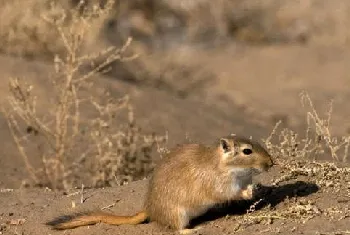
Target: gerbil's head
point(242, 153)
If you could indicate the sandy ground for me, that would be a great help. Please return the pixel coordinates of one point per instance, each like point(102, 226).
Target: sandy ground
point(301, 207)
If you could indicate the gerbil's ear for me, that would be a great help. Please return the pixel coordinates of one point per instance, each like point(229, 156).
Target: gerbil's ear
point(225, 145)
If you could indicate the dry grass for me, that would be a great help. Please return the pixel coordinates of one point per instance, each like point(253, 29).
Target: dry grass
point(116, 155)
point(24, 33)
point(300, 156)
point(329, 177)
point(301, 210)
point(317, 139)
point(297, 159)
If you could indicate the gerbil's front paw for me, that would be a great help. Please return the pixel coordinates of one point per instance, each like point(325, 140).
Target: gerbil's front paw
point(247, 194)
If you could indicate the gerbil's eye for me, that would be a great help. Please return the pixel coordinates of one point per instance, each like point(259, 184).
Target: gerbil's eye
point(247, 151)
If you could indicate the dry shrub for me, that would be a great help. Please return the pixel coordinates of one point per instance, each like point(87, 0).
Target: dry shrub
point(296, 210)
point(299, 157)
point(25, 32)
point(22, 30)
point(317, 139)
point(123, 156)
point(112, 153)
point(298, 160)
point(326, 175)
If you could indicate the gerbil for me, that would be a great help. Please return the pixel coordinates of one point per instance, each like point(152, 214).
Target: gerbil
point(188, 181)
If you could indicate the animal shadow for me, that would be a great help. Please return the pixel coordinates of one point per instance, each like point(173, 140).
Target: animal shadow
point(270, 195)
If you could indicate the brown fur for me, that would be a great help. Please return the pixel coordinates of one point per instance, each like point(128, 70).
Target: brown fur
point(188, 181)
point(74, 221)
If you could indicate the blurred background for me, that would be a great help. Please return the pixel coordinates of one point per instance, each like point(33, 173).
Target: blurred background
point(204, 68)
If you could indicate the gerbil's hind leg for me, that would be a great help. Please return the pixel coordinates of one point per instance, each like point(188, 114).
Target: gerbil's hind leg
point(178, 219)
point(183, 222)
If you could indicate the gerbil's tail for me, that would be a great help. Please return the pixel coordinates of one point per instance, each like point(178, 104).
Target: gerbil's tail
point(74, 221)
